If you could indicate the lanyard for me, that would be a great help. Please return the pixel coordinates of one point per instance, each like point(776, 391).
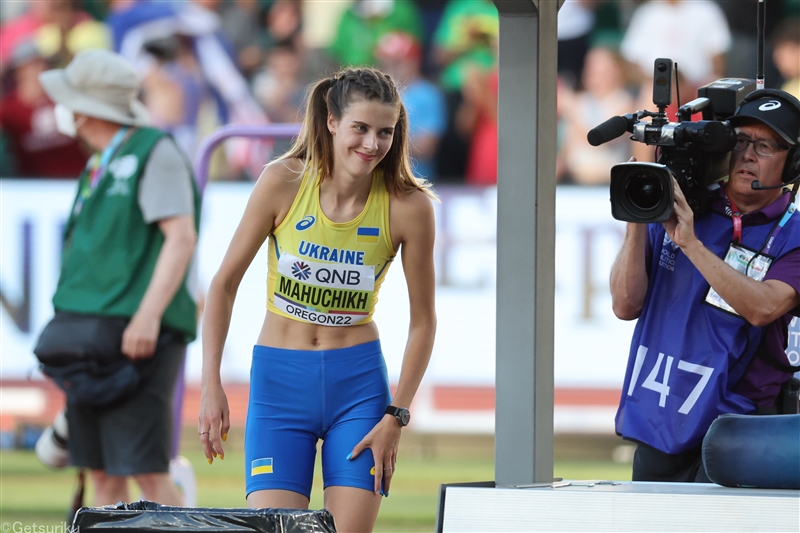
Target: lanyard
point(777, 229)
point(97, 167)
point(737, 222)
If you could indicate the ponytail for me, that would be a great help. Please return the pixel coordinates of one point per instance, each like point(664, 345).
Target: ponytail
point(314, 141)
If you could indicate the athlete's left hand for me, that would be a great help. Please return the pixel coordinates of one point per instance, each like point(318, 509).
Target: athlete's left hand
point(383, 440)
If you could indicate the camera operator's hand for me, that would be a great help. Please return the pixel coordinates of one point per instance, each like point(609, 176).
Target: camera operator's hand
point(680, 226)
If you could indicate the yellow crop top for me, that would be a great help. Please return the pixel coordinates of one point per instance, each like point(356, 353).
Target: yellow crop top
point(324, 272)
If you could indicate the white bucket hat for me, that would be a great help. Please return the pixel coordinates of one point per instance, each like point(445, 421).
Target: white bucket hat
point(100, 84)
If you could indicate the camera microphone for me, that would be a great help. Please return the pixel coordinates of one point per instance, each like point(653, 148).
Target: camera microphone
point(609, 130)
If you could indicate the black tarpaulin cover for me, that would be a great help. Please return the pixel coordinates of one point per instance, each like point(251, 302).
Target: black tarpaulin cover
point(149, 516)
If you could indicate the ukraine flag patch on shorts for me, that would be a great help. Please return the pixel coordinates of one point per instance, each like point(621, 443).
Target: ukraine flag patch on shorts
point(368, 235)
point(261, 466)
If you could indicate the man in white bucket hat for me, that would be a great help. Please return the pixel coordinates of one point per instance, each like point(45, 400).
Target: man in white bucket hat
point(128, 244)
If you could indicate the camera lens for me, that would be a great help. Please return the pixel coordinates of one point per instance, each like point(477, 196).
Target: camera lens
point(644, 191)
point(641, 192)
point(51, 448)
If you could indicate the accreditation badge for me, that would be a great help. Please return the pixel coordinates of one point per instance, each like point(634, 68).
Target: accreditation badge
point(748, 262)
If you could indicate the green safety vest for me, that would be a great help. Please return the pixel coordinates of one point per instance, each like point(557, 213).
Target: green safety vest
point(110, 252)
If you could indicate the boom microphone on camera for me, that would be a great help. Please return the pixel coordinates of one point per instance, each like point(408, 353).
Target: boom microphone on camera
point(610, 130)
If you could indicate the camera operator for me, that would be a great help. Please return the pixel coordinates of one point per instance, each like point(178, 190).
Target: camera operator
point(713, 298)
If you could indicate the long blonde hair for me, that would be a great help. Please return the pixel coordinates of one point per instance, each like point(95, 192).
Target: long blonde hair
point(314, 143)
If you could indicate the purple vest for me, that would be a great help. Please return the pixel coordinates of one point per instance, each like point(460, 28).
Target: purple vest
point(687, 355)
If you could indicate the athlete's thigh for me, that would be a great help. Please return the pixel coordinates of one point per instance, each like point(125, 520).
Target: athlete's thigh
point(340, 470)
point(278, 459)
point(276, 499)
point(358, 395)
point(353, 510)
point(282, 426)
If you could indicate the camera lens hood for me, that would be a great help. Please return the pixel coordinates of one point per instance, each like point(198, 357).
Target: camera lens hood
point(641, 192)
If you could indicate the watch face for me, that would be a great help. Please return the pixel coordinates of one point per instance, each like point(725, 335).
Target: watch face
point(404, 416)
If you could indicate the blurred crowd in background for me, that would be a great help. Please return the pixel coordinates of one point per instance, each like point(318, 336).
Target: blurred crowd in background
point(207, 63)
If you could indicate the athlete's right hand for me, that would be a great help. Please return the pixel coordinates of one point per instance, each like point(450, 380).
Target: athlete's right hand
point(214, 421)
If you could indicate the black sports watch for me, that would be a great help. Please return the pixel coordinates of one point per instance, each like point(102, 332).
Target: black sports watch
point(400, 413)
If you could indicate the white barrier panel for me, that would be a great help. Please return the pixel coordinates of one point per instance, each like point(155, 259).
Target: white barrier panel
point(590, 343)
point(617, 506)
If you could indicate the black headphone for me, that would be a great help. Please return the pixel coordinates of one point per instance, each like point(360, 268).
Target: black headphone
point(791, 169)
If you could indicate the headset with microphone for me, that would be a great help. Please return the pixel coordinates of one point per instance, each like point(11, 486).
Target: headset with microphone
point(791, 169)
point(756, 185)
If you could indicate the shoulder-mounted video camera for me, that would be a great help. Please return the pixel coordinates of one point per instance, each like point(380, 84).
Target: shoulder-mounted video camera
point(696, 154)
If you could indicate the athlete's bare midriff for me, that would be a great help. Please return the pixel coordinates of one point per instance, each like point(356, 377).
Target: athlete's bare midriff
point(282, 332)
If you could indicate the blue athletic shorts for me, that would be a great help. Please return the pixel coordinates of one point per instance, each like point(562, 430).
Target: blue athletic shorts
point(298, 397)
